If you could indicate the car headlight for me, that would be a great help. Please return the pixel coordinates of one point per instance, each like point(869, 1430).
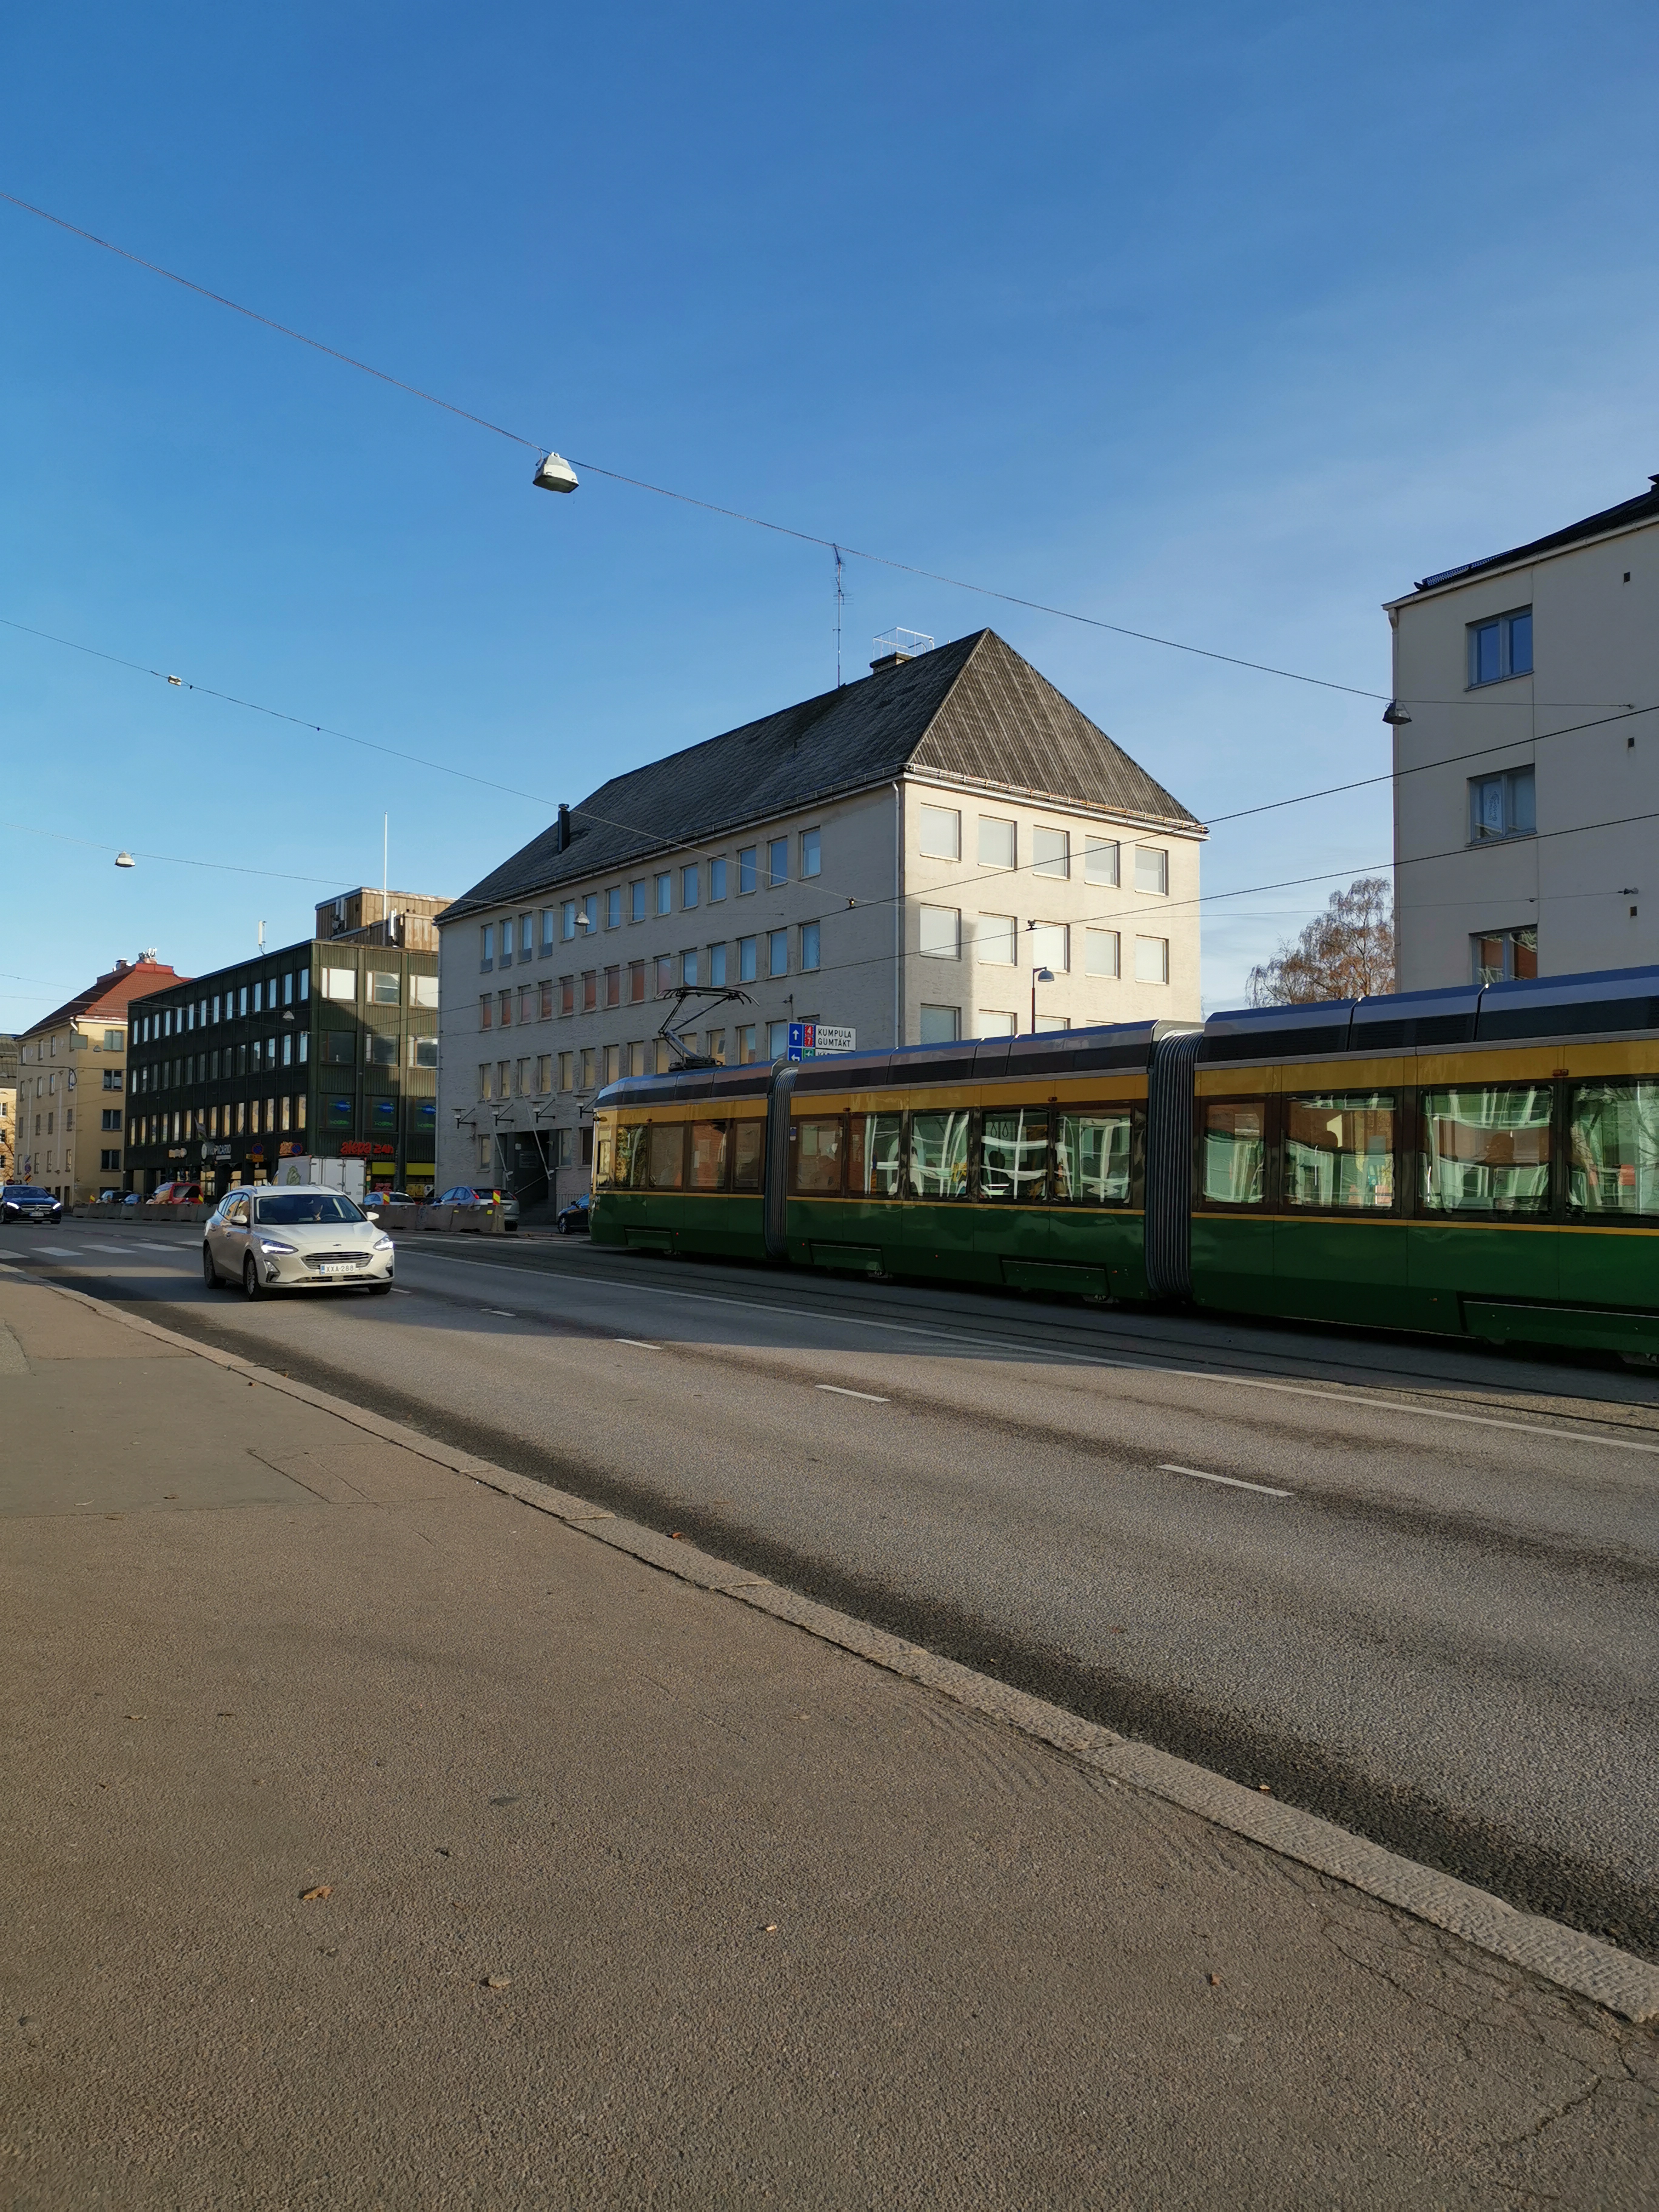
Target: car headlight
point(381, 1245)
point(271, 1244)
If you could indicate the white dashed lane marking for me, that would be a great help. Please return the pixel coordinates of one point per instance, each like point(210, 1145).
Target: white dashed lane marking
point(637, 1344)
point(841, 1391)
point(1262, 1489)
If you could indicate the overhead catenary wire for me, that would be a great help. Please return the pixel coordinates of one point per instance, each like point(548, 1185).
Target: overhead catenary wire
point(699, 843)
point(838, 548)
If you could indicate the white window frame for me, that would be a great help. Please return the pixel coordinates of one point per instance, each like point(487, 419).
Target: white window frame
point(939, 933)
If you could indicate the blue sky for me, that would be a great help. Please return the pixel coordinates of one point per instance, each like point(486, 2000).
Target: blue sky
point(1218, 322)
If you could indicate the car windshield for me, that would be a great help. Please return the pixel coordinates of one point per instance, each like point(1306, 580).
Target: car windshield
point(292, 1209)
point(26, 1190)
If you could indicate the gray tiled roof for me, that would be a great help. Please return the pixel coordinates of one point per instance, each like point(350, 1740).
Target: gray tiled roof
point(972, 711)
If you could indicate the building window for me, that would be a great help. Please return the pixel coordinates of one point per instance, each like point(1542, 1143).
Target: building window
point(998, 845)
point(1153, 870)
point(109, 1163)
point(383, 990)
point(613, 907)
point(940, 1024)
point(664, 973)
point(991, 1024)
point(380, 1051)
point(1100, 861)
point(423, 1052)
point(543, 1075)
point(689, 966)
point(526, 1003)
point(941, 932)
point(305, 1047)
point(524, 1080)
point(812, 853)
point(717, 967)
point(422, 990)
point(1048, 1025)
point(566, 1070)
point(777, 861)
point(112, 1117)
point(995, 940)
point(716, 882)
point(504, 1009)
point(486, 947)
point(1500, 956)
point(940, 837)
point(1051, 946)
point(689, 887)
point(665, 893)
point(115, 1039)
point(1051, 853)
point(745, 871)
point(547, 929)
point(637, 903)
point(337, 1048)
point(568, 921)
point(305, 985)
point(746, 1044)
point(1500, 648)
point(777, 1040)
point(809, 946)
point(777, 952)
point(527, 940)
point(591, 910)
point(503, 1079)
point(1151, 960)
point(590, 1067)
point(1100, 952)
point(544, 1000)
point(112, 1079)
point(613, 987)
point(636, 982)
point(1503, 805)
point(338, 1112)
point(590, 990)
point(612, 1062)
point(717, 1047)
point(340, 984)
point(745, 960)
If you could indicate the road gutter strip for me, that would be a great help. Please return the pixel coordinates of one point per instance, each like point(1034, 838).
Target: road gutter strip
point(1581, 1963)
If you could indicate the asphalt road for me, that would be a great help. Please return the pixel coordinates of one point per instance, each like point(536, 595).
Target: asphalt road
point(1410, 1588)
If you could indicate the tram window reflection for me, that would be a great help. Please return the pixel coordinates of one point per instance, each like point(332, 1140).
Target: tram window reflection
point(1613, 1148)
point(1235, 1152)
point(1013, 1156)
point(1093, 1156)
point(1487, 1150)
point(874, 1155)
point(630, 1171)
point(939, 1155)
point(816, 1153)
point(747, 1151)
point(709, 1151)
point(667, 1167)
point(1339, 1152)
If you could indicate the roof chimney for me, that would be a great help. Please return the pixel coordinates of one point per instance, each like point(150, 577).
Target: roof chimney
point(564, 843)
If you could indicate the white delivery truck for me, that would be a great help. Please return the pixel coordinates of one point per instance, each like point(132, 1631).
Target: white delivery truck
point(334, 1174)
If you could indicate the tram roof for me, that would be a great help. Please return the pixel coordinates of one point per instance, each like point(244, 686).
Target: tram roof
point(1610, 1000)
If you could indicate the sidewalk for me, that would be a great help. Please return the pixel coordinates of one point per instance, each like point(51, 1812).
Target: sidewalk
point(627, 1894)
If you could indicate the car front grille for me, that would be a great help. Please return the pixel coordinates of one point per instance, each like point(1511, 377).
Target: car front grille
point(336, 1259)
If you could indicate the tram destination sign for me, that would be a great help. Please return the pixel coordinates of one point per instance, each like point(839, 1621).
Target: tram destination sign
point(812, 1040)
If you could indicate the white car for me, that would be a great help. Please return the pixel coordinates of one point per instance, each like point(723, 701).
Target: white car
point(294, 1237)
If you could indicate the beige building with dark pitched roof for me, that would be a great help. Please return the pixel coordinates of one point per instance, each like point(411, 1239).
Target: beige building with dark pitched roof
point(72, 1086)
point(899, 857)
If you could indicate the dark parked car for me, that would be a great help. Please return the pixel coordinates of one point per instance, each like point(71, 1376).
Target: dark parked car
point(572, 1219)
point(22, 1201)
point(503, 1201)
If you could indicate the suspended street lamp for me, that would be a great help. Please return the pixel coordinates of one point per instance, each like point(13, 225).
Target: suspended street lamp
point(124, 861)
point(554, 474)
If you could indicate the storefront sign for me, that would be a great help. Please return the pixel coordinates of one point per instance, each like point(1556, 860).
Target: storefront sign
point(358, 1148)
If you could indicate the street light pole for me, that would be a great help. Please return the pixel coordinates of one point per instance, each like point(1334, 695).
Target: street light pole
point(1040, 974)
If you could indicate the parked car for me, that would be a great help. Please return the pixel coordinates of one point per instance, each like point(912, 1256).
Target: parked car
point(464, 1195)
point(133, 1198)
point(299, 1236)
point(177, 1193)
point(109, 1198)
point(22, 1201)
point(572, 1220)
point(393, 1197)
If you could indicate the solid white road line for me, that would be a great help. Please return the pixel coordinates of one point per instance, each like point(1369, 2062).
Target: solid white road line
point(841, 1391)
point(637, 1344)
point(1351, 1396)
point(500, 1312)
point(1265, 1489)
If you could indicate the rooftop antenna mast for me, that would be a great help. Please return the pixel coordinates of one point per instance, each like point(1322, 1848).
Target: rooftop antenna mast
point(840, 601)
point(385, 835)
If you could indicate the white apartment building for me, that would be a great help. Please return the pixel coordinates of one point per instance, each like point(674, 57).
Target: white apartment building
point(1526, 757)
point(947, 849)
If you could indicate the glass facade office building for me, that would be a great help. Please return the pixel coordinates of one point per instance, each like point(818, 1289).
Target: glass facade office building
point(321, 1049)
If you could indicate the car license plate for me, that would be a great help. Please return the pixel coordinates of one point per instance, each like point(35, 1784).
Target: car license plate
point(337, 1268)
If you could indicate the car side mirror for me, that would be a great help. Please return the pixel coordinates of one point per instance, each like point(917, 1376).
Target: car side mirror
point(374, 1213)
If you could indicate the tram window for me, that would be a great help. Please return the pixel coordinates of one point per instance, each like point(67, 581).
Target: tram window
point(1339, 1152)
point(747, 1152)
point(709, 1151)
point(939, 1155)
point(1013, 1156)
point(873, 1155)
point(1235, 1152)
point(666, 1165)
point(817, 1151)
point(1487, 1150)
point(1613, 1148)
point(1092, 1155)
point(629, 1154)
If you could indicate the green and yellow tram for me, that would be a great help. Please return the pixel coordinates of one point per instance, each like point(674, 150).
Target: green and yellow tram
point(1480, 1161)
